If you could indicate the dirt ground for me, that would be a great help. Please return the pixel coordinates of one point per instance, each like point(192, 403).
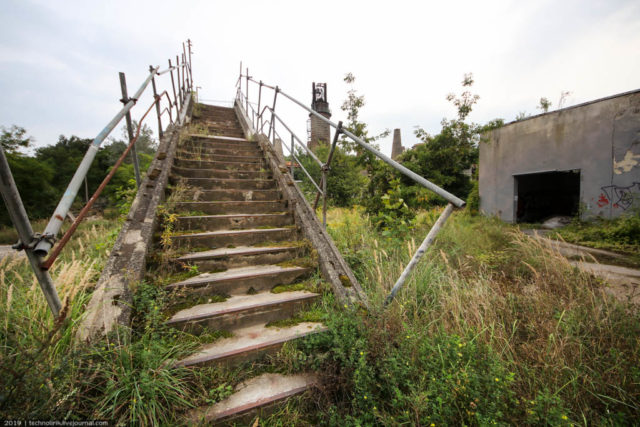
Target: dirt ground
point(623, 282)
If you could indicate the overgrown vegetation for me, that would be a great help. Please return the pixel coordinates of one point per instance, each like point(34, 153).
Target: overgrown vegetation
point(621, 234)
point(493, 328)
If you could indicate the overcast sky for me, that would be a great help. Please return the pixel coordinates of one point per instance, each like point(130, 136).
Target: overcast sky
point(60, 59)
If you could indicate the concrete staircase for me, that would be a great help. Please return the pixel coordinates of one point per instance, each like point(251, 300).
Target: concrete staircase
point(235, 226)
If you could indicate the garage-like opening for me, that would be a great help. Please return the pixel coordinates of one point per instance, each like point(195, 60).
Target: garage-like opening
point(546, 194)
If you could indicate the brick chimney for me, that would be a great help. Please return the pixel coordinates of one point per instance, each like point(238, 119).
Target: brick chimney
point(396, 148)
point(319, 131)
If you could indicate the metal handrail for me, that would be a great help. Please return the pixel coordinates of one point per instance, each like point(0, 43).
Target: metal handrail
point(294, 138)
point(453, 201)
point(37, 246)
point(55, 223)
point(46, 265)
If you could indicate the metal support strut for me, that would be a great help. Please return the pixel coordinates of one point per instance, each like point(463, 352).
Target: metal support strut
point(20, 220)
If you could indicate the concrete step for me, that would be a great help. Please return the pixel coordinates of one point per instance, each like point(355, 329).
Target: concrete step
point(233, 207)
point(194, 155)
point(224, 173)
point(227, 119)
point(222, 158)
point(208, 148)
point(240, 280)
point(233, 221)
point(231, 195)
point(212, 164)
point(222, 130)
point(220, 184)
point(241, 256)
point(255, 397)
point(232, 141)
point(250, 343)
point(241, 311)
point(224, 238)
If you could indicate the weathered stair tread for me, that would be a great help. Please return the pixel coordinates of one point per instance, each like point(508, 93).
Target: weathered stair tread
point(264, 390)
point(265, 231)
point(235, 237)
point(233, 195)
point(225, 252)
point(250, 340)
point(239, 303)
point(235, 274)
point(226, 138)
point(234, 221)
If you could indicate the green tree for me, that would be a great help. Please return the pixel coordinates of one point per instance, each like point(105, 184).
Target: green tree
point(445, 158)
point(14, 139)
point(32, 177)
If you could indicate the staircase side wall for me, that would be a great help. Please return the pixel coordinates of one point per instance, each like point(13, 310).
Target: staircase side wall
point(333, 267)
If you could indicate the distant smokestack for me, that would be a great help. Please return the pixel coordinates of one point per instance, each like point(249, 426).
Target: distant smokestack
point(319, 132)
point(397, 147)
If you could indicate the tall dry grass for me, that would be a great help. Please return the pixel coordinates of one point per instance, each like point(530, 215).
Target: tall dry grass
point(555, 327)
point(35, 348)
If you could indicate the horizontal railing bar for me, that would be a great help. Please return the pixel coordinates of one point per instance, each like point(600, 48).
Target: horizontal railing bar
point(293, 156)
point(397, 166)
point(159, 73)
point(259, 83)
point(297, 139)
point(55, 223)
point(402, 169)
point(46, 265)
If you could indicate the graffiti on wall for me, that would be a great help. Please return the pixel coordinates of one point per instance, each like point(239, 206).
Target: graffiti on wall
point(619, 197)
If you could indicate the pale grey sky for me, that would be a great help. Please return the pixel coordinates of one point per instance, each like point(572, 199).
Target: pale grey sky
point(59, 59)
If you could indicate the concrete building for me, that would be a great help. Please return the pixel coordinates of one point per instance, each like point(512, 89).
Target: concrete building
point(583, 159)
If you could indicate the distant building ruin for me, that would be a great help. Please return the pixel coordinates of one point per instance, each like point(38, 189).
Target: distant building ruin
point(319, 131)
point(396, 148)
point(581, 160)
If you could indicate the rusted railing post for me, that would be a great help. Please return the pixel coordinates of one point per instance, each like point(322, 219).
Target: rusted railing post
point(179, 88)
point(246, 107)
point(324, 197)
point(134, 152)
point(185, 85)
point(20, 220)
point(186, 67)
point(173, 86)
point(292, 157)
point(258, 120)
point(190, 70)
point(273, 110)
point(328, 162)
point(155, 97)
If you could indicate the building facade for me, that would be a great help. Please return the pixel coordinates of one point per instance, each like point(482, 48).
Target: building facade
point(581, 160)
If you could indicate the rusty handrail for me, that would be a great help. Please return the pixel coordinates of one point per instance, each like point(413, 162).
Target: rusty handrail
point(46, 265)
point(46, 241)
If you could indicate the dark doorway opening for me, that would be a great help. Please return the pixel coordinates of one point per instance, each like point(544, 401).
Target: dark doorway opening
point(546, 194)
